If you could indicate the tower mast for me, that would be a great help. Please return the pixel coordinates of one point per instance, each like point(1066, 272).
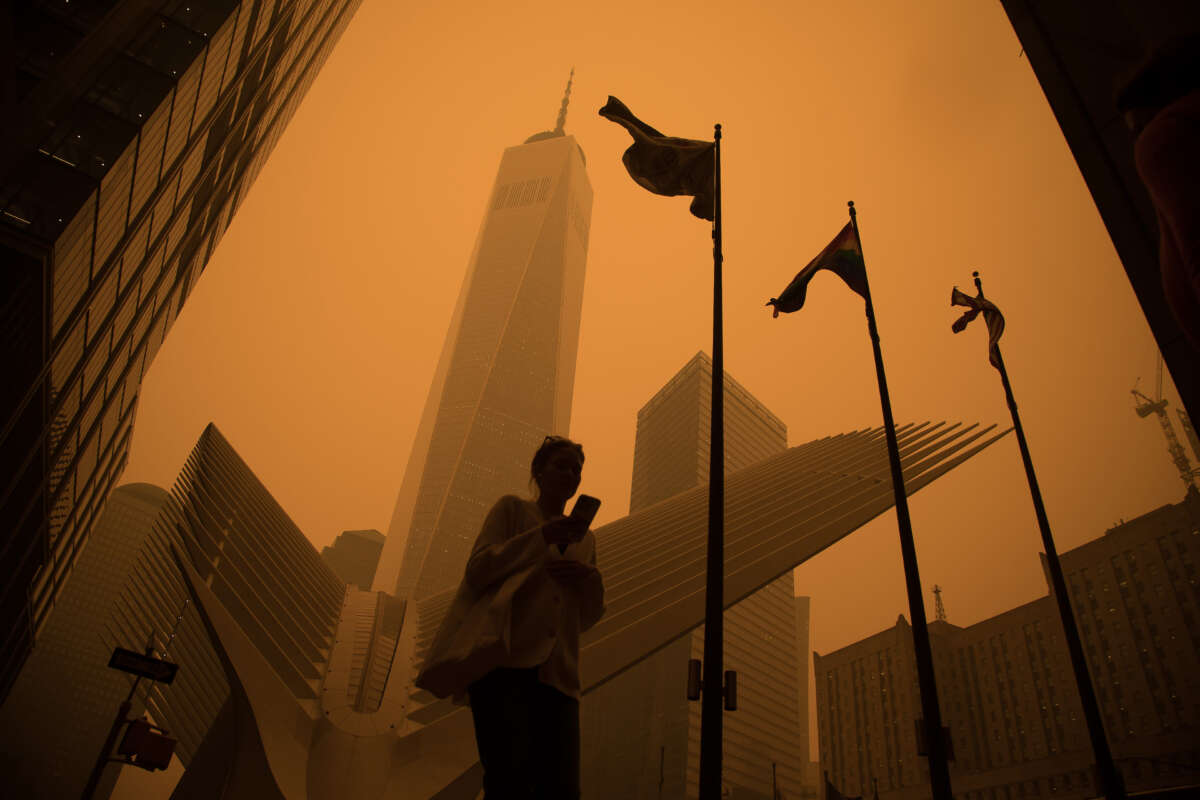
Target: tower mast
point(562, 111)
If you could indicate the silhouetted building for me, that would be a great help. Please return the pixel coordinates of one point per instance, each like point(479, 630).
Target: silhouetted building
point(132, 132)
point(260, 566)
point(1008, 691)
point(61, 706)
point(507, 369)
point(353, 557)
point(642, 719)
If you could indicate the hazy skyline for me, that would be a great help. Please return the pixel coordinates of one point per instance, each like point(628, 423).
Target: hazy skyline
point(312, 337)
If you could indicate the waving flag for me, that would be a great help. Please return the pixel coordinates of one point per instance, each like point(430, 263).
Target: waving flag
point(991, 315)
point(664, 164)
point(843, 256)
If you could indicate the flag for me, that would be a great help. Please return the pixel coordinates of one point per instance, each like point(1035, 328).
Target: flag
point(991, 315)
point(664, 164)
point(843, 256)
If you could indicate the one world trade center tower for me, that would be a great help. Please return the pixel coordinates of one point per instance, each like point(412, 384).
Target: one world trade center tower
point(507, 369)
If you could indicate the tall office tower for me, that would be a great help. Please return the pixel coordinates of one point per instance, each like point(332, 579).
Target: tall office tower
point(132, 131)
point(354, 555)
point(1008, 689)
point(507, 369)
point(262, 569)
point(642, 719)
point(64, 700)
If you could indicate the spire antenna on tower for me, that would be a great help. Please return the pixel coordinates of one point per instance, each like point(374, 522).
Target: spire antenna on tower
point(941, 609)
point(562, 111)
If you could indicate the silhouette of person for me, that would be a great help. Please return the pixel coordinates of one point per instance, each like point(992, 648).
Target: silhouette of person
point(525, 702)
point(1161, 105)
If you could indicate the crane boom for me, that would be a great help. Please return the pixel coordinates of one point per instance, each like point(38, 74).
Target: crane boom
point(1189, 476)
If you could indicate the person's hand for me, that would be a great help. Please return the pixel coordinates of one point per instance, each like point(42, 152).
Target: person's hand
point(568, 570)
point(561, 531)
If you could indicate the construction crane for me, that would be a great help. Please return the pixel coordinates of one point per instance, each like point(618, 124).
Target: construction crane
point(1145, 407)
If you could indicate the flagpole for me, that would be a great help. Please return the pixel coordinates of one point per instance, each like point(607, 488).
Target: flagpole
point(1110, 778)
point(711, 693)
point(939, 769)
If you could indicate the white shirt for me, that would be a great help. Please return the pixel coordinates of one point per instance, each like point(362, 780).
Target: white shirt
point(547, 615)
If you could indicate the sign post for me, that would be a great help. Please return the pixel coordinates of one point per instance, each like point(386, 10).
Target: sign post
point(144, 745)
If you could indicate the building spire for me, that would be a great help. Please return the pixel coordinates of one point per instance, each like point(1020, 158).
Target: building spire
point(941, 609)
point(562, 111)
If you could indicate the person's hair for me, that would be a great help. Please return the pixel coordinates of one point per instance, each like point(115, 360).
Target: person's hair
point(1169, 71)
point(549, 446)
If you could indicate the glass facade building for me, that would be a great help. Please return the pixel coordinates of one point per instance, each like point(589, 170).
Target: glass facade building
point(762, 739)
point(55, 718)
point(132, 132)
point(507, 369)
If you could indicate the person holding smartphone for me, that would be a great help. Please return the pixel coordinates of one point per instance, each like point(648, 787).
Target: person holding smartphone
point(525, 705)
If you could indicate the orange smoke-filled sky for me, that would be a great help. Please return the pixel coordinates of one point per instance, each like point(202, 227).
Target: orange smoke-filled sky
point(312, 337)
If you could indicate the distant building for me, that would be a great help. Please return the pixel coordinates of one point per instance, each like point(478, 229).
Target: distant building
point(264, 571)
point(642, 719)
point(507, 370)
point(803, 617)
point(353, 557)
point(131, 133)
point(65, 698)
point(1008, 692)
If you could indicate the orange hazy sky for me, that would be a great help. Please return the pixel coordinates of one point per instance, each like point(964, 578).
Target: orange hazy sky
point(312, 337)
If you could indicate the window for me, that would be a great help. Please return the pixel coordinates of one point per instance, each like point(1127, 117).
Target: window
point(166, 46)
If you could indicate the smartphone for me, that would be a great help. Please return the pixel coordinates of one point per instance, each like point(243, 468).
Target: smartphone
point(581, 516)
point(584, 511)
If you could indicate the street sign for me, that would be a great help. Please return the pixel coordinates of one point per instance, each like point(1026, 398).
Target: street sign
point(146, 666)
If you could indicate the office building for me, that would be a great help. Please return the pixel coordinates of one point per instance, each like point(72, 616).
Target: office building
point(507, 369)
point(132, 132)
point(762, 738)
point(353, 557)
point(55, 718)
point(1008, 691)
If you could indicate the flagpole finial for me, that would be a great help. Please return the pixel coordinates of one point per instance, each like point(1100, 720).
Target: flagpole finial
point(717, 131)
point(850, 205)
point(978, 282)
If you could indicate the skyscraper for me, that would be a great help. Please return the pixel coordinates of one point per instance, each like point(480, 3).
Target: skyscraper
point(762, 738)
point(131, 133)
point(63, 701)
point(354, 556)
point(507, 369)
